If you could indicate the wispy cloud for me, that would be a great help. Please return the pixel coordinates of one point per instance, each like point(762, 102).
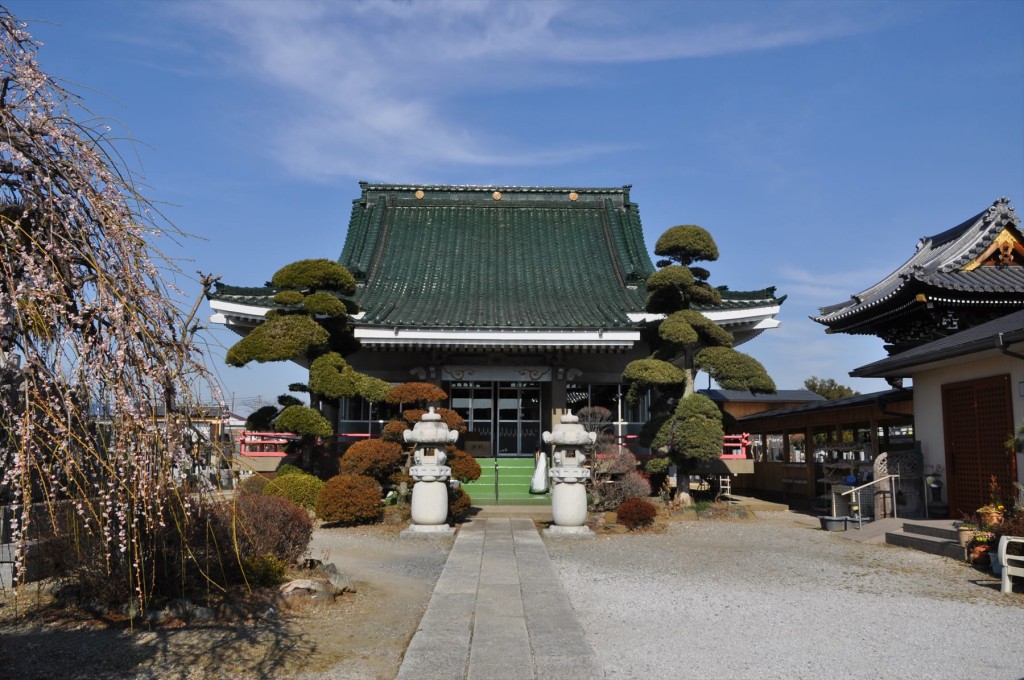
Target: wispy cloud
point(377, 89)
point(826, 286)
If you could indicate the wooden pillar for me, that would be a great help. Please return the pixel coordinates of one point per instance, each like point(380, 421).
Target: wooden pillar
point(810, 488)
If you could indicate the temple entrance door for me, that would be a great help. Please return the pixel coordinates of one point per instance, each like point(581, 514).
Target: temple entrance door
point(505, 417)
point(977, 417)
point(518, 423)
point(503, 422)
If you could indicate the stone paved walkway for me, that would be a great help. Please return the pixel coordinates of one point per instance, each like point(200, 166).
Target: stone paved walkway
point(499, 612)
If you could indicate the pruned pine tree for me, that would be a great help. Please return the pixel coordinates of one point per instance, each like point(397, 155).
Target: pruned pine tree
point(311, 326)
point(685, 424)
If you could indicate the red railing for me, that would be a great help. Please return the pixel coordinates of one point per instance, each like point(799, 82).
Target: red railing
point(734, 446)
point(264, 444)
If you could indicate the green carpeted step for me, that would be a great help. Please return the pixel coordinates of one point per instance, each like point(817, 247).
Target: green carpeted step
point(514, 475)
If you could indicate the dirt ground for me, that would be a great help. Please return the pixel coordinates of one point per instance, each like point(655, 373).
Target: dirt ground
point(360, 635)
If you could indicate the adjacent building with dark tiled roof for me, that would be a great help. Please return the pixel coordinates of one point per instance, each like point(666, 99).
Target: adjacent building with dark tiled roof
point(968, 400)
point(506, 296)
point(956, 279)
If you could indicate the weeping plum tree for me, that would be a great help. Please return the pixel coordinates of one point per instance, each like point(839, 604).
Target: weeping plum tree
point(685, 424)
point(310, 325)
point(93, 342)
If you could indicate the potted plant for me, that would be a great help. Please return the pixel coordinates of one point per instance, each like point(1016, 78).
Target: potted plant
point(965, 531)
point(991, 514)
point(980, 546)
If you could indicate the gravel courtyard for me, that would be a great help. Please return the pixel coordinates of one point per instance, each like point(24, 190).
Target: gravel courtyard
point(779, 598)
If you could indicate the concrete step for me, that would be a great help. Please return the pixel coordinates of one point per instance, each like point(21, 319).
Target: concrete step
point(929, 544)
point(936, 528)
point(869, 531)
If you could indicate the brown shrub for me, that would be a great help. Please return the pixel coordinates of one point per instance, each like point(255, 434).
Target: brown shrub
point(374, 458)
point(415, 393)
point(459, 504)
point(452, 419)
point(393, 430)
point(464, 466)
point(413, 415)
point(350, 499)
point(635, 512)
point(252, 485)
point(255, 526)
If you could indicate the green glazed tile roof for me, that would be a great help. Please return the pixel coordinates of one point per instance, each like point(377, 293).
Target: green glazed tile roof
point(533, 258)
point(496, 257)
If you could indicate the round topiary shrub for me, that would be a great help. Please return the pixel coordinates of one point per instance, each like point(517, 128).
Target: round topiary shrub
point(464, 466)
point(374, 458)
point(301, 489)
point(415, 393)
point(254, 527)
point(252, 485)
point(393, 430)
point(635, 512)
point(289, 469)
point(350, 499)
point(459, 504)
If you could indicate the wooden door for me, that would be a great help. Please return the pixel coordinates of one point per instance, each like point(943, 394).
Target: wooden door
point(977, 417)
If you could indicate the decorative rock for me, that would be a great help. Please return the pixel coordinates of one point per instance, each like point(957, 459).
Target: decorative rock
point(201, 615)
point(341, 582)
point(155, 616)
point(316, 589)
point(131, 609)
point(179, 608)
point(231, 611)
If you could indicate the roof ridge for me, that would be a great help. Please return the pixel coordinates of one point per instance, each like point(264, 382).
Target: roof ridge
point(490, 187)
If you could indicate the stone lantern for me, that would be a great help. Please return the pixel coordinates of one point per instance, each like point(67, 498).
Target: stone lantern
point(430, 492)
point(569, 493)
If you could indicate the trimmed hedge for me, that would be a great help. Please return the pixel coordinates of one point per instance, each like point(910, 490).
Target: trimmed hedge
point(635, 512)
point(315, 274)
point(415, 393)
point(300, 489)
point(375, 458)
point(464, 467)
point(256, 526)
point(350, 499)
point(303, 420)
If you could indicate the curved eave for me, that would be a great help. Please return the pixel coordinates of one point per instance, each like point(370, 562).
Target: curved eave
point(599, 339)
point(240, 318)
point(744, 324)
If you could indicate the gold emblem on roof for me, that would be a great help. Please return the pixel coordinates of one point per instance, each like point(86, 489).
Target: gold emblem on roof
point(496, 195)
point(419, 194)
point(573, 196)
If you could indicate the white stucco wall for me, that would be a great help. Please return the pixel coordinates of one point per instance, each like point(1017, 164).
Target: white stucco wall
point(928, 396)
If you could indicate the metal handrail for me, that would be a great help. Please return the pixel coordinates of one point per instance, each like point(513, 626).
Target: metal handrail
point(857, 489)
point(864, 486)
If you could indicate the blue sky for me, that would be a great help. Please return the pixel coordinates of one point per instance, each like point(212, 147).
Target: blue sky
point(816, 141)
